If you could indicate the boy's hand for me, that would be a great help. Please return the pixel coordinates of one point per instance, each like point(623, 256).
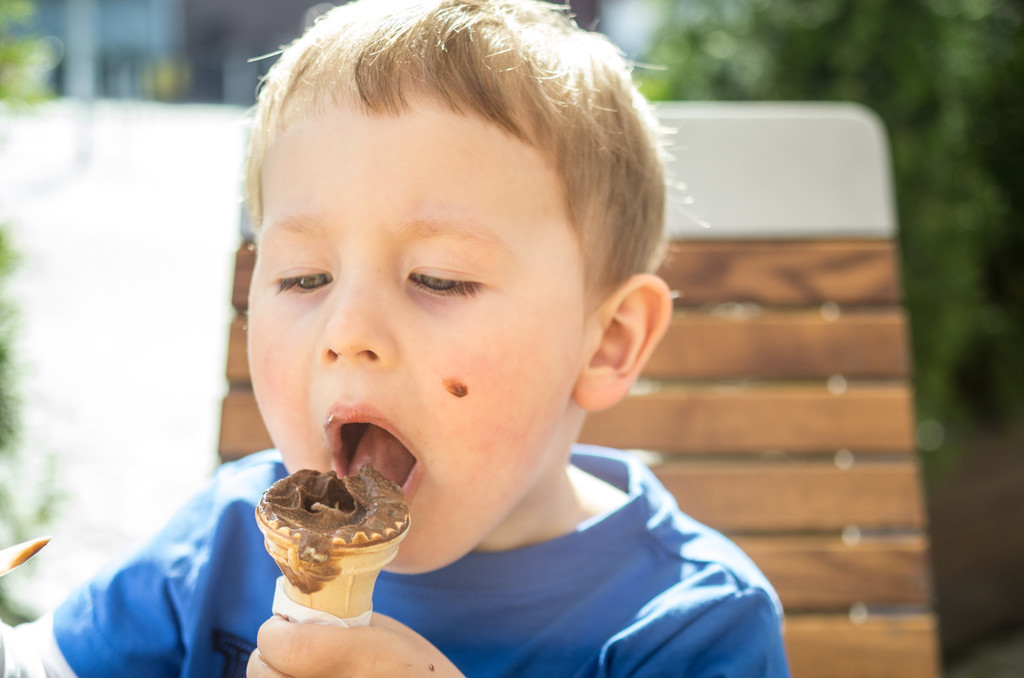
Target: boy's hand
point(385, 648)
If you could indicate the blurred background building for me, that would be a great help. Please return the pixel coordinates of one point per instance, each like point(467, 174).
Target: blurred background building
point(179, 50)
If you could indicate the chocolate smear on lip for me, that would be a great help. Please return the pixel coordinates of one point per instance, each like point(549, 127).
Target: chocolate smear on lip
point(325, 516)
point(456, 388)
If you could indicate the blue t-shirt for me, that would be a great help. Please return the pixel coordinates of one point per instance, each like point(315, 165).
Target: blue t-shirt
point(642, 591)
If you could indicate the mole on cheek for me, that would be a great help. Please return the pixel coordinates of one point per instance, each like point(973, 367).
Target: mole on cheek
point(456, 388)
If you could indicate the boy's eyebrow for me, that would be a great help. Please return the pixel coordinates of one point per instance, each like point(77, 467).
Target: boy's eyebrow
point(461, 229)
point(465, 230)
point(299, 224)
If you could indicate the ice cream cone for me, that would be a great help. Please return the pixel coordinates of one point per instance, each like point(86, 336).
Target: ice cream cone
point(342, 584)
point(326, 566)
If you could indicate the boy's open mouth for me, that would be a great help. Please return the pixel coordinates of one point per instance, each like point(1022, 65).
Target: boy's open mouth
point(365, 443)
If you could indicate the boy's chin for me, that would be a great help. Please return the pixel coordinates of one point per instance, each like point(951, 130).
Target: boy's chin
point(416, 557)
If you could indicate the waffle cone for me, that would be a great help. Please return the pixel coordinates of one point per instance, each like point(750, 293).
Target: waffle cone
point(341, 583)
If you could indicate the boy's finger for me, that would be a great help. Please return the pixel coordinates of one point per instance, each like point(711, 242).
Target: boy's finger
point(306, 650)
point(259, 668)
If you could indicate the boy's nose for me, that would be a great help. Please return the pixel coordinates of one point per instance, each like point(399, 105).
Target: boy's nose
point(353, 352)
point(357, 332)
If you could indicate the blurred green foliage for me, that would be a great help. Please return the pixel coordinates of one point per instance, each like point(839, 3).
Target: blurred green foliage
point(8, 401)
point(12, 525)
point(22, 508)
point(946, 78)
point(19, 54)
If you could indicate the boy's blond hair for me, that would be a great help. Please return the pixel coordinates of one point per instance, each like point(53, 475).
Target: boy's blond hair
point(519, 64)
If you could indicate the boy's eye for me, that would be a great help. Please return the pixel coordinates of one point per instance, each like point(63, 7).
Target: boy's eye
point(304, 282)
point(442, 286)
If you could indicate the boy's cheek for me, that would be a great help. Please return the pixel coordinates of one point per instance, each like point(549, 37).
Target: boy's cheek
point(276, 386)
point(268, 347)
point(495, 396)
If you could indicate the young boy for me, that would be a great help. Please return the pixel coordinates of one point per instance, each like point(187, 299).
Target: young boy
point(458, 206)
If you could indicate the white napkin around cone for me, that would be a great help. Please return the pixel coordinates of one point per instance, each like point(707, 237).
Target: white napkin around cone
point(292, 611)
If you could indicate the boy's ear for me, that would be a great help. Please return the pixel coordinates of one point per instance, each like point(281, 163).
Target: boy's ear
point(627, 327)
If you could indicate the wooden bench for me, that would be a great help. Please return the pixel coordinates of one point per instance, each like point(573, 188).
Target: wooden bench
point(778, 409)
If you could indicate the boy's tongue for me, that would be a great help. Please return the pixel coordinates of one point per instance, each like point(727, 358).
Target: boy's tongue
point(382, 451)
